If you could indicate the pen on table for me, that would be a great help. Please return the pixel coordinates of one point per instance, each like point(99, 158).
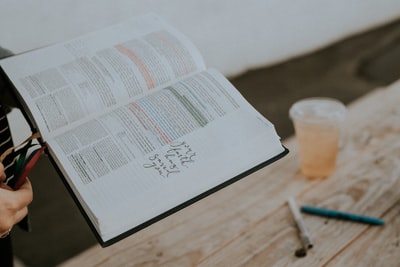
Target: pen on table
point(304, 235)
point(342, 215)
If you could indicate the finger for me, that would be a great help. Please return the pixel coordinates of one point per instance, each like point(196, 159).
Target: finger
point(24, 193)
point(26, 185)
point(2, 173)
point(21, 197)
point(4, 186)
point(21, 214)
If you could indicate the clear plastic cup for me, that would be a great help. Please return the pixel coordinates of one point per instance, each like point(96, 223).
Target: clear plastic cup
point(318, 123)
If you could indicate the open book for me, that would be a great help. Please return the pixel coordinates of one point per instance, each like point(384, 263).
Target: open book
point(136, 124)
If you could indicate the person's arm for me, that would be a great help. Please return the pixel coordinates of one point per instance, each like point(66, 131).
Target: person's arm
point(13, 204)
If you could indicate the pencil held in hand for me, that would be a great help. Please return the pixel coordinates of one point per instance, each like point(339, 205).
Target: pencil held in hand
point(31, 161)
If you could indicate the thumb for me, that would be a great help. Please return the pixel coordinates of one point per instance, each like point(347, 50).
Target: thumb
point(24, 194)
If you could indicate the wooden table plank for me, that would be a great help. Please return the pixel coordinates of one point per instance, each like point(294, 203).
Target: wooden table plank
point(377, 246)
point(249, 223)
point(274, 239)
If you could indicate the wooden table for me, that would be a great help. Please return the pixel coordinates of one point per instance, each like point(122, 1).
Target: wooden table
point(250, 224)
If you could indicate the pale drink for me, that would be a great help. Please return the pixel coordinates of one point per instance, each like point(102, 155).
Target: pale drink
point(318, 147)
point(317, 123)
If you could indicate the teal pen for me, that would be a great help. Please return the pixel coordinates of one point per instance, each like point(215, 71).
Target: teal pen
point(342, 215)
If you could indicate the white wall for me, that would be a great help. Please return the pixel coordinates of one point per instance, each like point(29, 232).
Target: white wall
point(233, 35)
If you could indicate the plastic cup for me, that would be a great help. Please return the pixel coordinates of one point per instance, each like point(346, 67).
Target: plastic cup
point(318, 124)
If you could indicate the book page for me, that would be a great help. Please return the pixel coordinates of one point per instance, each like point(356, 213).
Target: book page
point(64, 83)
point(158, 151)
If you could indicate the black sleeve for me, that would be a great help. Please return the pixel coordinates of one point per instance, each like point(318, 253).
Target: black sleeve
point(7, 99)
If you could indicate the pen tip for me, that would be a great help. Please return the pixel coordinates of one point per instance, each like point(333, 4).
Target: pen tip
point(301, 252)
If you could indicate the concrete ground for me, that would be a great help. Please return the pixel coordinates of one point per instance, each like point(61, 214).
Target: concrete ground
point(345, 70)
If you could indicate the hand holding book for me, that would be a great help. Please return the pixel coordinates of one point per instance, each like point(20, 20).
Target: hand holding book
point(25, 159)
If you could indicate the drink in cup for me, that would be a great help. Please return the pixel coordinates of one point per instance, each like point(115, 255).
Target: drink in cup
point(317, 123)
